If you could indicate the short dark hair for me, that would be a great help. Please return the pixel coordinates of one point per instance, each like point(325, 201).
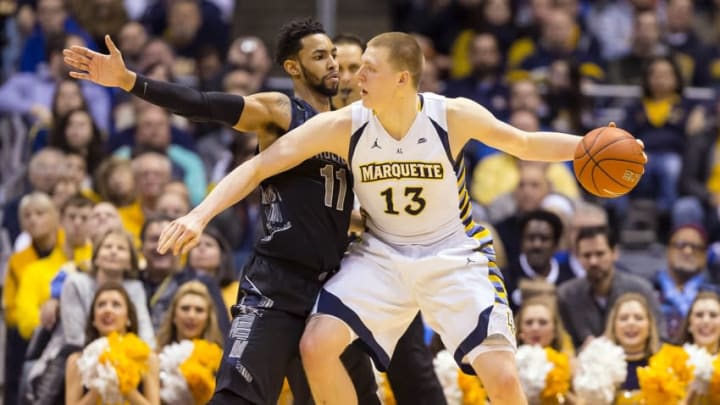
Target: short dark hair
point(78, 200)
point(544, 216)
point(349, 39)
point(589, 232)
point(288, 40)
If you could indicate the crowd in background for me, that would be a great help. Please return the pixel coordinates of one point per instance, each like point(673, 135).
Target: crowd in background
point(79, 162)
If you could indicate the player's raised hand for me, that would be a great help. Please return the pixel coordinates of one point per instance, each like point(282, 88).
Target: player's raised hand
point(106, 70)
point(182, 234)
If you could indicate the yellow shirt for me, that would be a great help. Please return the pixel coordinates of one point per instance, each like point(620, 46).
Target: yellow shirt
point(229, 294)
point(498, 174)
point(17, 264)
point(132, 218)
point(34, 288)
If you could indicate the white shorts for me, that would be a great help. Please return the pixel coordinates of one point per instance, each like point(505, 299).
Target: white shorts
point(380, 288)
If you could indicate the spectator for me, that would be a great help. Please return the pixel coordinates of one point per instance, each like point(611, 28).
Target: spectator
point(538, 323)
point(152, 172)
point(540, 234)
point(40, 219)
point(349, 53)
point(112, 311)
point(115, 183)
point(153, 133)
point(646, 44)
point(104, 216)
point(164, 275)
point(100, 18)
point(42, 174)
point(684, 276)
point(632, 325)
point(584, 302)
point(191, 315)
point(681, 37)
point(212, 257)
point(663, 119)
point(53, 21)
point(76, 132)
point(34, 287)
point(702, 325)
point(173, 205)
point(531, 189)
point(131, 40)
point(32, 93)
point(251, 52)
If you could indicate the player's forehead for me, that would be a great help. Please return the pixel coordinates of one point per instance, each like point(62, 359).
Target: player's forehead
point(375, 56)
point(316, 43)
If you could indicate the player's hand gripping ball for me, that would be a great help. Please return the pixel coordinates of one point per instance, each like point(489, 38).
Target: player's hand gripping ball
point(609, 162)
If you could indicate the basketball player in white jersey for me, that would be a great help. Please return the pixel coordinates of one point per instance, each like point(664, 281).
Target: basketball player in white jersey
point(403, 148)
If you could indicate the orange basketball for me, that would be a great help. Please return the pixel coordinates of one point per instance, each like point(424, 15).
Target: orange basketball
point(608, 162)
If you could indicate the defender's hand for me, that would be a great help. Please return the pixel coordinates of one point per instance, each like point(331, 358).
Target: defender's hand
point(182, 234)
point(106, 70)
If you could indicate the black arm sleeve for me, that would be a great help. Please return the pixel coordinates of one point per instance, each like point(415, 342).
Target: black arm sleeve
point(188, 102)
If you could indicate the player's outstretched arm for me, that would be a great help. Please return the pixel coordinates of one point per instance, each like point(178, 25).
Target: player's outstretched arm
point(109, 70)
point(469, 120)
point(326, 132)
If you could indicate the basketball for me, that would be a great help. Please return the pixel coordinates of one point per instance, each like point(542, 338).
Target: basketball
point(608, 162)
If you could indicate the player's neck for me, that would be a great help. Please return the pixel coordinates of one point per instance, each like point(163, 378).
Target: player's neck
point(399, 115)
point(318, 101)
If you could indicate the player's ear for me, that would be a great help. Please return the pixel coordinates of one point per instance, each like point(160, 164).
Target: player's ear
point(404, 77)
point(292, 67)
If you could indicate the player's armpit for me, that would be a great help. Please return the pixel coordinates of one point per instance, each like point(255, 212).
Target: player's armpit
point(264, 110)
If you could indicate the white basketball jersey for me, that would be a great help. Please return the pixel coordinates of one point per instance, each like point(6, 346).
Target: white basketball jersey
point(409, 188)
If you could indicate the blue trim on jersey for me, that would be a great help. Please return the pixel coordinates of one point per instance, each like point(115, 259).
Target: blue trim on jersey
point(443, 135)
point(330, 304)
point(301, 112)
point(473, 340)
point(354, 139)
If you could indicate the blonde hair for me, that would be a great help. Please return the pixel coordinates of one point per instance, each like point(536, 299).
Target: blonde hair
point(168, 331)
point(404, 53)
point(40, 200)
point(559, 341)
point(653, 342)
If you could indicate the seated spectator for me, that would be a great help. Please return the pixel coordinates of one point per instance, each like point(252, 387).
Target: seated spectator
point(584, 302)
point(213, 258)
point(76, 132)
point(131, 40)
point(559, 39)
point(42, 174)
point(251, 52)
point(164, 274)
point(568, 108)
point(538, 323)
point(684, 275)
point(115, 183)
point(531, 189)
point(153, 134)
point(663, 119)
point(68, 96)
point(32, 93)
point(191, 315)
point(34, 288)
point(631, 325)
point(115, 261)
point(104, 216)
point(540, 233)
point(100, 18)
point(40, 219)
point(111, 311)
point(172, 204)
point(682, 38)
point(53, 20)
point(646, 44)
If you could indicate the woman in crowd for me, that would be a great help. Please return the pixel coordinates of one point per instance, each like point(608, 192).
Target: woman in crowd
point(114, 260)
point(111, 311)
point(191, 316)
point(538, 323)
point(631, 325)
point(76, 132)
point(212, 257)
